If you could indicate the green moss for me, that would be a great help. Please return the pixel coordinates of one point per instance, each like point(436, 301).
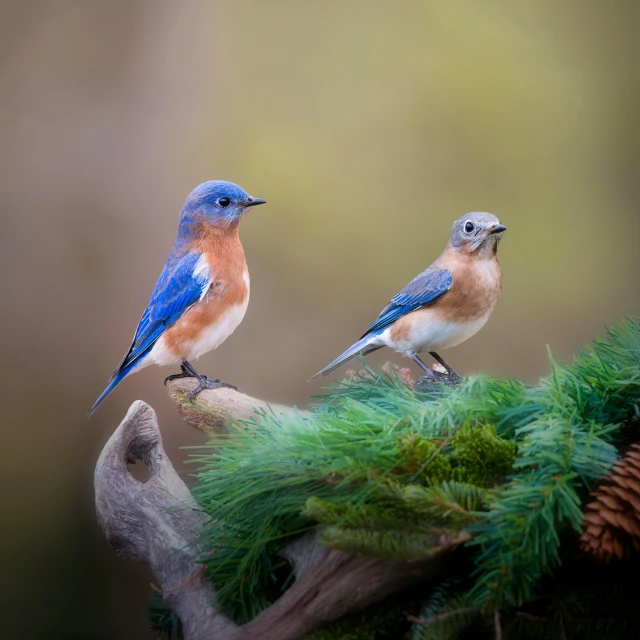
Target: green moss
point(473, 453)
point(422, 457)
point(481, 456)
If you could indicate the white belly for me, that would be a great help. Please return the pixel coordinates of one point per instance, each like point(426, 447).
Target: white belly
point(216, 335)
point(430, 333)
point(207, 340)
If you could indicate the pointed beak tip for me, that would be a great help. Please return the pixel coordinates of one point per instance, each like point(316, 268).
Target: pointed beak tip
point(499, 228)
point(252, 202)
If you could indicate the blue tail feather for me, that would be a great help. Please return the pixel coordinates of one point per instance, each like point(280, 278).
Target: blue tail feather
point(115, 380)
point(364, 346)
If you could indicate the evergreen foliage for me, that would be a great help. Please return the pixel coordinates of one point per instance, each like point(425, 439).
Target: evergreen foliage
point(448, 611)
point(382, 468)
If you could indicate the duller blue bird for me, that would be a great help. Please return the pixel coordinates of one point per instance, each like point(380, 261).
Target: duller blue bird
point(202, 293)
point(443, 306)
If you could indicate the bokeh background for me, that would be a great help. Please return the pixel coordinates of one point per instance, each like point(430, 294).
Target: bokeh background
point(368, 126)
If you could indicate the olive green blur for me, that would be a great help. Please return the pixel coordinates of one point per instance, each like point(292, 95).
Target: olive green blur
point(368, 127)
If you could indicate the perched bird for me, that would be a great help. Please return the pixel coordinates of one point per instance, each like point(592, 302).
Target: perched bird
point(202, 293)
point(446, 304)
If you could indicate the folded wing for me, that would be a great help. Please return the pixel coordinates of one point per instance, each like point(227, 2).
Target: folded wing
point(183, 281)
point(423, 290)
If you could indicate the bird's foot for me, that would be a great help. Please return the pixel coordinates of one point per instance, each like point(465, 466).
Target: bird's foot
point(444, 369)
point(185, 373)
point(205, 383)
point(176, 376)
point(430, 383)
point(451, 378)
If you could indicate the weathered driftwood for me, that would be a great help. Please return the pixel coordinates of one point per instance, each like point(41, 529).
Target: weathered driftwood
point(155, 522)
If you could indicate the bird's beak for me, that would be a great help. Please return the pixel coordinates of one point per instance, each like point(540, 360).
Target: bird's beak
point(252, 202)
point(499, 228)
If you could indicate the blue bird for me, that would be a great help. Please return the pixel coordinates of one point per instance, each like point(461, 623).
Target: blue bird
point(202, 293)
point(446, 304)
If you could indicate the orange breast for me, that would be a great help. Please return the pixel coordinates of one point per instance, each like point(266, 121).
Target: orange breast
point(477, 283)
point(229, 290)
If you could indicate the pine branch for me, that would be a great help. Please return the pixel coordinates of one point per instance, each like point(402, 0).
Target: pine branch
point(535, 449)
point(441, 617)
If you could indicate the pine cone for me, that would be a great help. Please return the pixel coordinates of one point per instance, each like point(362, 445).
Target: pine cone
point(612, 521)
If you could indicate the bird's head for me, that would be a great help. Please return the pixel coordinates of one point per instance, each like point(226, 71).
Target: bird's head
point(477, 233)
point(221, 203)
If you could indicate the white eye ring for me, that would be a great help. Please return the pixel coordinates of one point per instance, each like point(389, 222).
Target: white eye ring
point(469, 226)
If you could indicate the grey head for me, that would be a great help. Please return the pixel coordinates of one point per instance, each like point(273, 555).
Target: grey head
point(477, 232)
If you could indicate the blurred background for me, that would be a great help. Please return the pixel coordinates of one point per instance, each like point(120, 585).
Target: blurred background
point(369, 127)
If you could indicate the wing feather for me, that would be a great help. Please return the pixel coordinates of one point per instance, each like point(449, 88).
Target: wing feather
point(182, 283)
point(422, 291)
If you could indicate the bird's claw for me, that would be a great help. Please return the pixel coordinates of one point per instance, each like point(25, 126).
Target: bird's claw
point(430, 383)
point(451, 378)
point(205, 383)
point(184, 373)
point(176, 376)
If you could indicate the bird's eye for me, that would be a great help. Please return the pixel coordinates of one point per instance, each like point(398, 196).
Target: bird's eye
point(469, 226)
point(224, 202)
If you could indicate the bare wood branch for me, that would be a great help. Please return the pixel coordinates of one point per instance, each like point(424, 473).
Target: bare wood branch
point(156, 522)
point(214, 410)
point(497, 623)
point(331, 584)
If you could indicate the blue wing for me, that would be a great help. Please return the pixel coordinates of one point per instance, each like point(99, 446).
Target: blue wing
point(176, 290)
point(178, 287)
point(423, 290)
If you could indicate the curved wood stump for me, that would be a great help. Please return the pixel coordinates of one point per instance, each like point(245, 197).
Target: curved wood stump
point(156, 522)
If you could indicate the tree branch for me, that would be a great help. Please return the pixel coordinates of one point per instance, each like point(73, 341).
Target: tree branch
point(216, 409)
point(156, 522)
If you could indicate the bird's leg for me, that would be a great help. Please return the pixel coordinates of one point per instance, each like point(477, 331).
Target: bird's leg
point(452, 374)
point(175, 376)
point(205, 383)
point(422, 365)
point(425, 384)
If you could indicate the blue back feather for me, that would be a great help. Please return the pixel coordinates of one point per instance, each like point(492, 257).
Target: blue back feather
point(176, 290)
point(423, 290)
